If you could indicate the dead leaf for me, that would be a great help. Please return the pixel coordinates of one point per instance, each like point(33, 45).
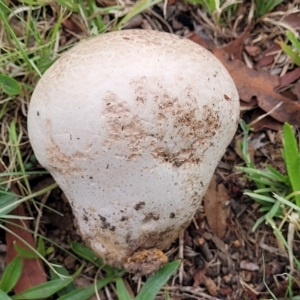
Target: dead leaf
point(248, 105)
point(296, 89)
point(187, 239)
point(33, 272)
point(225, 291)
point(260, 84)
point(250, 294)
point(235, 48)
point(265, 123)
point(211, 286)
point(288, 78)
point(216, 210)
point(199, 277)
point(293, 20)
point(72, 25)
point(267, 57)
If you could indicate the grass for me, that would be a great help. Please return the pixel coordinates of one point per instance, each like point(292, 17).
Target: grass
point(278, 194)
point(62, 285)
point(222, 11)
point(293, 50)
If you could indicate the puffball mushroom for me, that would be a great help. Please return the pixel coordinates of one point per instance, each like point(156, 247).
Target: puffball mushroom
point(131, 125)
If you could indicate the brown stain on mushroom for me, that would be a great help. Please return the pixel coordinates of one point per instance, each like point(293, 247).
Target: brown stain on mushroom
point(60, 162)
point(139, 205)
point(194, 128)
point(227, 98)
point(140, 91)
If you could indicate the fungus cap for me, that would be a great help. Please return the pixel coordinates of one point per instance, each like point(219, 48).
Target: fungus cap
point(131, 125)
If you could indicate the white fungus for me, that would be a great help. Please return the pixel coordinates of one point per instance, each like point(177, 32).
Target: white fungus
point(131, 125)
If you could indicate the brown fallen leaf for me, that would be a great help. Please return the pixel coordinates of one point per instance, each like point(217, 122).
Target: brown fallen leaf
point(260, 84)
point(33, 272)
point(74, 24)
point(292, 20)
point(248, 105)
point(199, 277)
point(187, 239)
point(289, 94)
point(267, 57)
point(216, 210)
point(249, 294)
point(235, 48)
point(224, 291)
point(265, 123)
point(296, 90)
point(288, 78)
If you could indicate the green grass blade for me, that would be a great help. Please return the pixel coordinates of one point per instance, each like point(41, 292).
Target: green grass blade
point(9, 30)
point(29, 197)
point(263, 182)
point(292, 158)
point(88, 292)
point(89, 255)
point(122, 291)
point(11, 275)
point(278, 175)
point(154, 284)
point(69, 4)
point(13, 136)
point(259, 173)
point(3, 295)
point(271, 222)
point(294, 41)
point(287, 203)
point(274, 210)
point(139, 8)
point(26, 253)
point(63, 271)
point(259, 197)
point(47, 289)
point(7, 203)
point(289, 51)
point(4, 174)
point(258, 222)
point(263, 191)
point(9, 85)
point(41, 247)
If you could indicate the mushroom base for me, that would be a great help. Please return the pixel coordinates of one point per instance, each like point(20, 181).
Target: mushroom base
point(143, 256)
point(146, 262)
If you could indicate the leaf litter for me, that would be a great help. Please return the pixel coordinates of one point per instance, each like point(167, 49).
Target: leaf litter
point(259, 84)
point(33, 272)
